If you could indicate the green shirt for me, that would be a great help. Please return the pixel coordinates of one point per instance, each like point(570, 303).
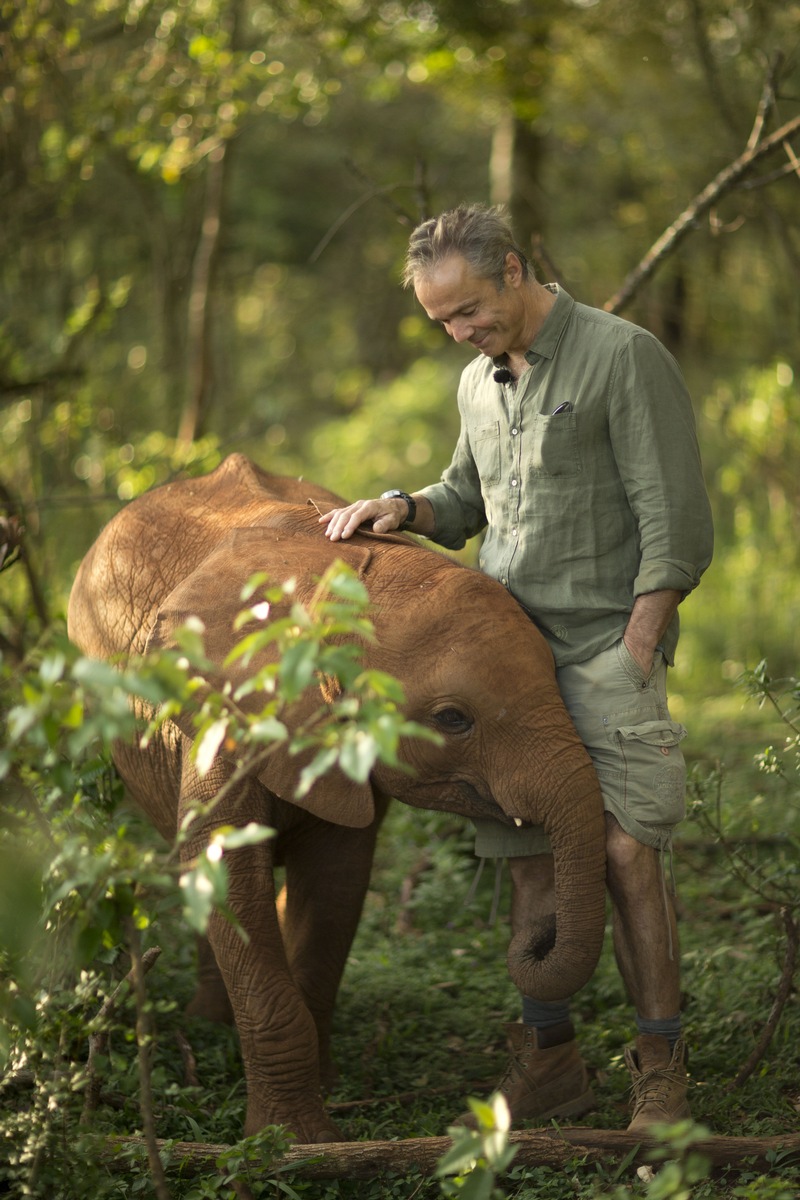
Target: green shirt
point(587, 508)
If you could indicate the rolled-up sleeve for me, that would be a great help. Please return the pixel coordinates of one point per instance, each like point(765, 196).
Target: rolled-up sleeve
point(654, 442)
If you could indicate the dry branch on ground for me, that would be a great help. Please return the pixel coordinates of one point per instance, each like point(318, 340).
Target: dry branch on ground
point(535, 1148)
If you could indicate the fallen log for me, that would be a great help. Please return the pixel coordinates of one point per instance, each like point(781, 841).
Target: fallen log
point(535, 1148)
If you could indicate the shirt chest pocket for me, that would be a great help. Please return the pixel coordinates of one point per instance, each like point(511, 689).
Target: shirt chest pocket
point(485, 446)
point(554, 447)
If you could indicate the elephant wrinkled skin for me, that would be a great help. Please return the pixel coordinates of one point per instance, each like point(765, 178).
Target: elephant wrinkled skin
point(473, 667)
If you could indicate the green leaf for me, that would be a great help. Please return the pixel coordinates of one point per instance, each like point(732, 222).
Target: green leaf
point(231, 838)
point(357, 756)
point(317, 767)
point(463, 1154)
point(205, 750)
point(297, 668)
point(342, 581)
point(267, 729)
point(52, 668)
point(254, 582)
point(479, 1185)
point(203, 888)
point(96, 675)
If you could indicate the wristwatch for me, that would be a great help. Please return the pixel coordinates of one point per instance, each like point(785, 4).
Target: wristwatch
point(396, 494)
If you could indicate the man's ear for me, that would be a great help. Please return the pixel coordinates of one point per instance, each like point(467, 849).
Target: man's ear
point(513, 273)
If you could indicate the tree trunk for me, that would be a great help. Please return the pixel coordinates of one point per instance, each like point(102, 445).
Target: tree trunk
point(198, 341)
point(515, 169)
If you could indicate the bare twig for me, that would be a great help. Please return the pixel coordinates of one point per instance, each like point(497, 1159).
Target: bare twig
point(98, 1041)
point(781, 996)
point(402, 214)
point(791, 168)
point(794, 162)
point(766, 102)
point(12, 507)
point(342, 220)
point(374, 191)
point(144, 1039)
point(11, 529)
point(404, 923)
point(190, 1077)
point(541, 257)
point(677, 231)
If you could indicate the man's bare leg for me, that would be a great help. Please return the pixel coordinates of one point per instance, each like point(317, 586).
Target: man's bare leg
point(645, 932)
point(646, 949)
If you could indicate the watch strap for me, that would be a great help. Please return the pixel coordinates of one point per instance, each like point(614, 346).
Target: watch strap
point(396, 494)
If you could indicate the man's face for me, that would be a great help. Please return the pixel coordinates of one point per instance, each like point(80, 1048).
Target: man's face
point(471, 309)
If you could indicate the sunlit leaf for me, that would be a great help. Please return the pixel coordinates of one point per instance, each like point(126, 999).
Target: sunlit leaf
point(205, 750)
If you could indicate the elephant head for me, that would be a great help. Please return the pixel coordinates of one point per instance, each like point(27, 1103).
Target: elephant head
point(473, 666)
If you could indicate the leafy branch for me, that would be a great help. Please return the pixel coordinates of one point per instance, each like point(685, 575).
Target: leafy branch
point(92, 889)
point(772, 882)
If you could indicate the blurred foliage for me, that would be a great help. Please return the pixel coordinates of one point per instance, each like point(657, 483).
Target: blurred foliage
point(205, 211)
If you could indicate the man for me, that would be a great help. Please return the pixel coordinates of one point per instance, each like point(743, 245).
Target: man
point(578, 457)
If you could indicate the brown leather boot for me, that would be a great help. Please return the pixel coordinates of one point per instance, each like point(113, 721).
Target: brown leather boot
point(545, 1077)
point(659, 1082)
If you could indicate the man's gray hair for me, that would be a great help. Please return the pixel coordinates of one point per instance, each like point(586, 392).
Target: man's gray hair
point(481, 235)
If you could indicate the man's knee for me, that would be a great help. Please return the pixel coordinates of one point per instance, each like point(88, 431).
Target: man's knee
point(627, 859)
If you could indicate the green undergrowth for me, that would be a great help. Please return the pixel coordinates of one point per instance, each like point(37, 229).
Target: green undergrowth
point(419, 1026)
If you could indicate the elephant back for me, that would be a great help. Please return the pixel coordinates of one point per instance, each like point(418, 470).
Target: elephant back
point(163, 536)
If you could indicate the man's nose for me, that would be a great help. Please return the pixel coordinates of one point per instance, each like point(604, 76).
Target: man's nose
point(460, 331)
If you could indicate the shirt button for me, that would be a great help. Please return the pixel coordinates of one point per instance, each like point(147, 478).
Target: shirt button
point(513, 533)
point(513, 483)
point(504, 582)
point(514, 431)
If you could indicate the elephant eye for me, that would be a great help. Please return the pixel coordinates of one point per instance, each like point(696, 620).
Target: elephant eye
point(452, 720)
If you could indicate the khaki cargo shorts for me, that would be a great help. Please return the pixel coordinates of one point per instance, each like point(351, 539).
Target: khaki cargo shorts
point(622, 718)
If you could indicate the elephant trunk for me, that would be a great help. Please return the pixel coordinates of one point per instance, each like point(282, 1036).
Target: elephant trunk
point(553, 958)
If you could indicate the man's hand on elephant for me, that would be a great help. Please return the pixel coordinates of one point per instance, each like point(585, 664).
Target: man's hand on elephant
point(385, 515)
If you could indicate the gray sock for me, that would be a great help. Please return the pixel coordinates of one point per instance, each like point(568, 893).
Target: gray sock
point(544, 1014)
point(668, 1027)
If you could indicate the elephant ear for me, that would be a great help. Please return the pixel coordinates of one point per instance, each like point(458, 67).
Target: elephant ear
point(213, 593)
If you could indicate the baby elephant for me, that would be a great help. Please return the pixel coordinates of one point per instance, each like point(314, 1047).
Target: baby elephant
point(474, 669)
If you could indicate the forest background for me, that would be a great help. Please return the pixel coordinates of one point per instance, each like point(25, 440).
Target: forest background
point(205, 212)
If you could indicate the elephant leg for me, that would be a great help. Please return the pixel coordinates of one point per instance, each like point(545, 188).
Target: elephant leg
point(211, 1000)
point(277, 1033)
point(327, 875)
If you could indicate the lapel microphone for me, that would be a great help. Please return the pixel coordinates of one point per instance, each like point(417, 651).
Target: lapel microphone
point(503, 375)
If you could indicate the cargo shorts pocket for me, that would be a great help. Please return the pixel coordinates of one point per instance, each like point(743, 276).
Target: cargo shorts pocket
point(653, 771)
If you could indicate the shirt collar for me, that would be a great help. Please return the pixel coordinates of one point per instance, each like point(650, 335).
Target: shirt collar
point(545, 343)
